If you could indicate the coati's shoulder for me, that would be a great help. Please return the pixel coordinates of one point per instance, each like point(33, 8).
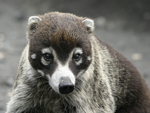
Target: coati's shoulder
point(129, 77)
point(121, 61)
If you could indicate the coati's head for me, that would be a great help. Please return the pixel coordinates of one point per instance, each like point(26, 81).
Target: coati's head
point(59, 48)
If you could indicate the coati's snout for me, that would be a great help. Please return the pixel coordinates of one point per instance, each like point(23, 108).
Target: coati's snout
point(62, 80)
point(66, 86)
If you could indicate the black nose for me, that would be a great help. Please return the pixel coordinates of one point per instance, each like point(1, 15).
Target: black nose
point(66, 86)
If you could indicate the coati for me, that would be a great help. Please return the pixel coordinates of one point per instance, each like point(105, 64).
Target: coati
point(66, 69)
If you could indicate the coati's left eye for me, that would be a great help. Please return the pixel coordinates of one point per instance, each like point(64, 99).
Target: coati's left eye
point(76, 57)
point(48, 57)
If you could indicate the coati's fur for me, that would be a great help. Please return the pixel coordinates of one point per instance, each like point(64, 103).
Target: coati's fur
point(109, 83)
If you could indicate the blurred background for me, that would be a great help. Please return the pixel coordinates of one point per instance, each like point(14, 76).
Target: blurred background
point(123, 24)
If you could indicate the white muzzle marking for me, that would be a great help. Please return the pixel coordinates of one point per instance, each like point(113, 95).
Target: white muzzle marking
point(61, 71)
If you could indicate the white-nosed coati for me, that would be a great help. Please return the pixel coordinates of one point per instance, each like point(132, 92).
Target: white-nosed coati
point(66, 69)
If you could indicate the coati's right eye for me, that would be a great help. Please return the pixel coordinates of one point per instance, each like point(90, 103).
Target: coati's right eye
point(77, 57)
point(48, 57)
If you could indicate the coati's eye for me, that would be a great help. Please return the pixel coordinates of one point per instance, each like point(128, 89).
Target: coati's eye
point(48, 57)
point(76, 57)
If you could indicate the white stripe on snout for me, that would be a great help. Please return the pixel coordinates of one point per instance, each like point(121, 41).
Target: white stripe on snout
point(61, 71)
point(33, 56)
point(41, 72)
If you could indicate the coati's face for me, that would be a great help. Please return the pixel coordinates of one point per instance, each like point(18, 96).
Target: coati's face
point(59, 48)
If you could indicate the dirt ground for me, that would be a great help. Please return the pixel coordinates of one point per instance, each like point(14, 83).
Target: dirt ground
point(125, 25)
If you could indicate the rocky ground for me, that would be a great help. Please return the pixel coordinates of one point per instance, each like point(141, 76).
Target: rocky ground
point(125, 25)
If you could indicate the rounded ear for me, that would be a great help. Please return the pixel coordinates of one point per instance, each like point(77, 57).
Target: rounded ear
point(89, 24)
point(33, 22)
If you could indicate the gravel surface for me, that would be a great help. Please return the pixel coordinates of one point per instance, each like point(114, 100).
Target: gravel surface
point(125, 25)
